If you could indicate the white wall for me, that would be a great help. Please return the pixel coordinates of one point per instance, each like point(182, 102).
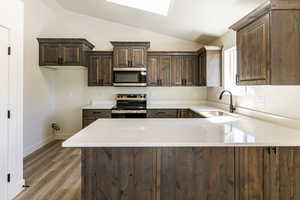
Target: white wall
point(51, 95)
point(277, 100)
point(11, 17)
point(38, 87)
point(71, 92)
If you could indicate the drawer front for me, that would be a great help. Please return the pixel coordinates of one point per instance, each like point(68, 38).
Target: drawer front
point(96, 113)
point(162, 113)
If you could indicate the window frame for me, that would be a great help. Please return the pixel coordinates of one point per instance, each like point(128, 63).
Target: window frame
point(230, 71)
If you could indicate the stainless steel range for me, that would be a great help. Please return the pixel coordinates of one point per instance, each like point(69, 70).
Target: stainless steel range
point(130, 106)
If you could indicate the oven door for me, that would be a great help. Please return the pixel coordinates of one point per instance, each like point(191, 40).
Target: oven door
point(127, 78)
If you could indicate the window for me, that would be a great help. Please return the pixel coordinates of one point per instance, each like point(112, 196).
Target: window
point(160, 7)
point(230, 71)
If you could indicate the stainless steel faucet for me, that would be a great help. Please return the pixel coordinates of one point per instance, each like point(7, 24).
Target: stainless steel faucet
point(232, 108)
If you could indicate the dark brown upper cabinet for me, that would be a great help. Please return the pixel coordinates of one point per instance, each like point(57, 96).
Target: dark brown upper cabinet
point(172, 68)
point(130, 54)
point(63, 51)
point(159, 70)
point(152, 76)
point(99, 68)
point(268, 51)
point(210, 66)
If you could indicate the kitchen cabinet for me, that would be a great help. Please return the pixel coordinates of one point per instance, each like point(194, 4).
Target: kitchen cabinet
point(100, 68)
point(119, 173)
point(189, 71)
point(63, 51)
point(130, 54)
point(159, 70)
point(267, 173)
point(184, 70)
point(162, 113)
point(267, 45)
point(172, 68)
point(196, 173)
point(164, 71)
point(284, 169)
point(210, 66)
point(172, 113)
point(250, 165)
point(152, 72)
point(91, 115)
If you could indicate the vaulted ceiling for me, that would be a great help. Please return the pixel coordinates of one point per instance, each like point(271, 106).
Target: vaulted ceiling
point(195, 20)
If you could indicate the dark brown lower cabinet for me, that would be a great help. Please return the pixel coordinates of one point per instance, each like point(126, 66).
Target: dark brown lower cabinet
point(267, 173)
point(91, 115)
point(158, 174)
point(193, 173)
point(118, 173)
point(196, 174)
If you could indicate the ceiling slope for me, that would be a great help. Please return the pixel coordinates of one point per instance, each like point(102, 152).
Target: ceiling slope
point(194, 20)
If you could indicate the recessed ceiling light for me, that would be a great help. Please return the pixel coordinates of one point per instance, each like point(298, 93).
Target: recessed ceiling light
point(160, 7)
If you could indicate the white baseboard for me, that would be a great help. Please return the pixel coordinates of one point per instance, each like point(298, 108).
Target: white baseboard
point(15, 189)
point(63, 136)
point(34, 147)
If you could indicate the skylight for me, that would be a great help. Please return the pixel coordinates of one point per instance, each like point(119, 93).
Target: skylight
point(160, 7)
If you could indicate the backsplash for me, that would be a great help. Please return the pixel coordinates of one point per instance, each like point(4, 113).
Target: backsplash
point(71, 93)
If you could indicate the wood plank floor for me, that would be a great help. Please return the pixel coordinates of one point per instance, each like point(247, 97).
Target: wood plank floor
point(53, 173)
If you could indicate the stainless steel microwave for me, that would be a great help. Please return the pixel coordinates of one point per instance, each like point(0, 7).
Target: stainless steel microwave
point(130, 77)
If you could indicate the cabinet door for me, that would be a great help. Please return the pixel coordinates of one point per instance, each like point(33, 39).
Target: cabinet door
point(118, 173)
point(105, 71)
point(196, 173)
point(284, 169)
point(162, 113)
point(176, 71)
point(138, 57)
point(189, 71)
point(71, 54)
point(49, 54)
point(93, 71)
point(250, 171)
point(153, 63)
point(202, 69)
point(253, 53)
point(164, 72)
point(121, 56)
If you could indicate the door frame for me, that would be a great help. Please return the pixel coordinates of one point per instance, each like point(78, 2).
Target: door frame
point(5, 123)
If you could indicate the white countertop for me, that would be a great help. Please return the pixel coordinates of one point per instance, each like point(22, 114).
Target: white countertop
point(233, 130)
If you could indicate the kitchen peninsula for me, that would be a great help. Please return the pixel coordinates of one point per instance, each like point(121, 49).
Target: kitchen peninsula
point(226, 157)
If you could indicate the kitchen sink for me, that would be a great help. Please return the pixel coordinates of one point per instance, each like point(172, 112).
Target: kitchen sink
point(209, 114)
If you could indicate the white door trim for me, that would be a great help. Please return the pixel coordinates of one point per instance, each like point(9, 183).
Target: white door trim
point(4, 106)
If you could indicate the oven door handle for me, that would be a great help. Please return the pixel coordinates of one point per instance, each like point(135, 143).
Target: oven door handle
point(129, 111)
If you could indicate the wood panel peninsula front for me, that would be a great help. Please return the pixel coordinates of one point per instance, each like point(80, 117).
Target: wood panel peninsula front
point(220, 158)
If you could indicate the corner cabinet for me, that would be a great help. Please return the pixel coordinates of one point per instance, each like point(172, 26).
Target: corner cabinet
point(268, 51)
point(63, 51)
point(99, 65)
point(130, 54)
point(210, 66)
